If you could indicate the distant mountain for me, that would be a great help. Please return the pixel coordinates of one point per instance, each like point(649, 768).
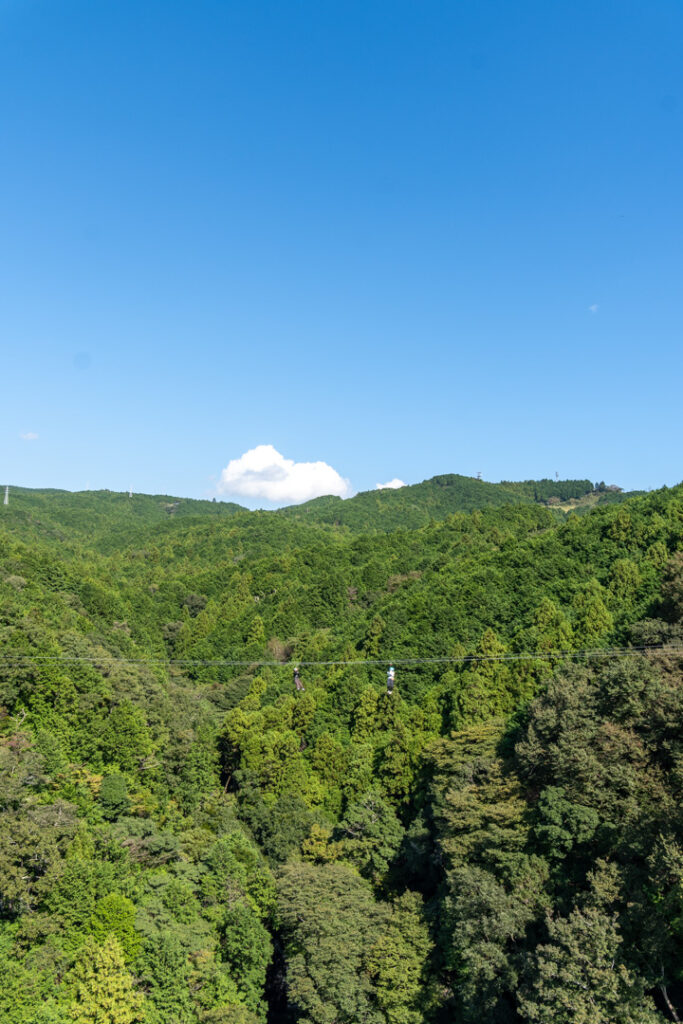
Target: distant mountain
point(102, 518)
point(435, 499)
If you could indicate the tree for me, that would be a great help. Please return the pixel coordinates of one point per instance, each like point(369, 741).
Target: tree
point(485, 920)
point(327, 914)
point(349, 957)
point(493, 889)
point(371, 835)
point(247, 948)
point(114, 796)
point(256, 637)
point(552, 631)
point(592, 619)
point(103, 989)
point(279, 825)
point(579, 976)
point(126, 740)
point(397, 962)
point(483, 691)
point(115, 915)
point(365, 716)
point(165, 972)
point(563, 823)
point(373, 637)
point(626, 579)
point(398, 757)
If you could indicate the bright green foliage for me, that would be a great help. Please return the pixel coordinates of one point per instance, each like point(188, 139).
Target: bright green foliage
point(437, 498)
point(27, 994)
point(485, 689)
point(551, 631)
point(438, 852)
point(592, 619)
point(126, 741)
point(256, 636)
point(218, 1001)
point(372, 644)
point(327, 759)
point(165, 973)
point(246, 946)
point(366, 715)
point(103, 989)
point(399, 752)
point(115, 915)
point(319, 847)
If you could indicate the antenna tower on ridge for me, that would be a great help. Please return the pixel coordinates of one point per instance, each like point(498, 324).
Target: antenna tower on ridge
point(6, 501)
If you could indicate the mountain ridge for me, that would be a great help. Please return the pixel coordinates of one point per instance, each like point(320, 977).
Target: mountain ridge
point(90, 513)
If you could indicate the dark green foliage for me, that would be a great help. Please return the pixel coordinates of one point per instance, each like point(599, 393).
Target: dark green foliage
point(279, 826)
point(350, 957)
point(579, 975)
point(563, 824)
point(371, 835)
point(165, 974)
point(114, 796)
point(125, 740)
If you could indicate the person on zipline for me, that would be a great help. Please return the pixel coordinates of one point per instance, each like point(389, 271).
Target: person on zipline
point(391, 675)
point(297, 680)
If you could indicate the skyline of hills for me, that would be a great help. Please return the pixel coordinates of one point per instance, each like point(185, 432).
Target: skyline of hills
point(409, 506)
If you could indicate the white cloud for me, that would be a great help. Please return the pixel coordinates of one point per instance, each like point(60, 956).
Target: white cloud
point(594, 308)
point(263, 472)
point(29, 436)
point(392, 484)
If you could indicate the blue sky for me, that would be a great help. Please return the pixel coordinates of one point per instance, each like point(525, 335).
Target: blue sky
point(398, 238)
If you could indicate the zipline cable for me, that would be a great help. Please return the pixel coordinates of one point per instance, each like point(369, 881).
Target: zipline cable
point(598, 652)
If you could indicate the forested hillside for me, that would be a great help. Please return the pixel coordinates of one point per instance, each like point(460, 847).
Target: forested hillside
point(412, 506)
point(97, 519)
point(186, 838)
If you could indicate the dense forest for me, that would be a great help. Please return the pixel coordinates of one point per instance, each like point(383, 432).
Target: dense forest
point(409, 507)
point(187, 839)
